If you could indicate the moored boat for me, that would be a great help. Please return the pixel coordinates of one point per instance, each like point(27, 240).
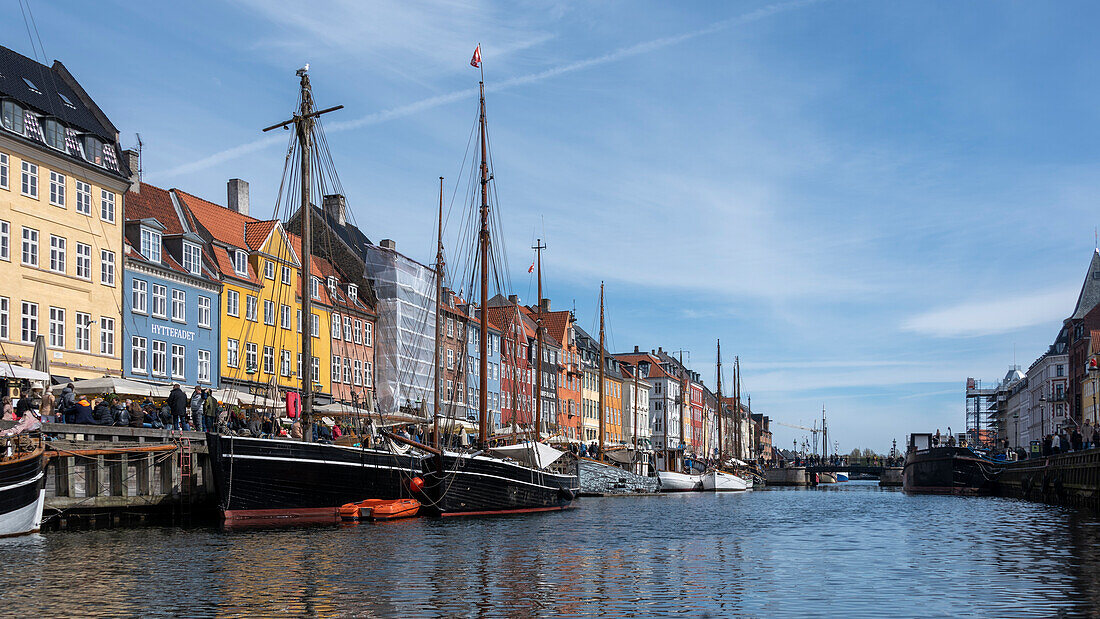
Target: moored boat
point(22, 485)
point(379, 509)
point(841, 476)
point(720, 481)
point(460, 484)
point(672, 481)
point(947, 470)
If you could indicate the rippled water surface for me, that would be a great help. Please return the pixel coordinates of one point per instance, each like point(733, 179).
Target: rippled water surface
point(852, 549)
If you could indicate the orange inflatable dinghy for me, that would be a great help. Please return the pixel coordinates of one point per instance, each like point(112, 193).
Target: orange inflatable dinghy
point(380, 509)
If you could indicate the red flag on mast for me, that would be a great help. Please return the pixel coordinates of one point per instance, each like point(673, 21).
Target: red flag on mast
point(476, 60)
point(531, 268)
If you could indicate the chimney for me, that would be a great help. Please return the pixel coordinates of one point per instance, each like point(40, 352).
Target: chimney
point(513, 299)
point(388, 244)
point(133, 161)
point(237, 191)
point(660, 351)
point(636, 351)
point(335, 206)
point(545, 305)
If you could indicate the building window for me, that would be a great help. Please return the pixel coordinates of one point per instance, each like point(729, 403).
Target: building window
point(179, 306)
point(314, 288)
point(240, 263)
point(250, 308)
point(178, 356)
point(347, 328)
point(106, 267)
point(315, 325)
point(5, 240)
point(203, 370)
point(357, 374)
point(347, 370)
point(159, 305)
point(11, 116)
point(5, 168)
point(284, 317)
point(139, 296)
point(150, 245)
point(336, 373)
point(5, 309)
point(53, 133)
point(159, 358)
point(269, 269)
point(284, 362)
point(315, 366)
point(269, 312)
point(57, 254)
point(192, 258)
point(57, 189)
point(358, 331)
point(107, 206)
point(299, 321)
point(250, 350)
point(232, 358)
point(1060, 370)
point(57, 327)
point(137, 354)
point(269, 360)
point(368, 373)
point(107, 336)
point(353, 291)
point(233, 303)
point(30, 180)
point(30, 247)
point(84, 261)
point(83, 198)
point(450, 327)
point(286, 275)
point(204, 312)
point(93, 149)
point(336, 326)
point(83, 332)
point(450, 359)
point(368, 335)
point(331, 281)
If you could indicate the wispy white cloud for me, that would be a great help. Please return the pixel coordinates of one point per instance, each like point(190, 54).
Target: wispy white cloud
point(311, 26)
point(1007, 312)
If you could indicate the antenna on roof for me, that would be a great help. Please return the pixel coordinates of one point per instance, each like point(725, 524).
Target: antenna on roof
point(139, 155)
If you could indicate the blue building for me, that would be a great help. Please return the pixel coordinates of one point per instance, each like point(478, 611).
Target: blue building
point(473, 383)
point(171, 295)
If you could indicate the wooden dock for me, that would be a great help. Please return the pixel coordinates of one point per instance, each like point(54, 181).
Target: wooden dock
point(1071, 479)
point(100, 476)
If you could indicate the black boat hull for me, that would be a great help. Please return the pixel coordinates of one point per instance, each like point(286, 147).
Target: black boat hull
point(268, 479)
point(22, 494)
point(948, 470)
point(475, 486)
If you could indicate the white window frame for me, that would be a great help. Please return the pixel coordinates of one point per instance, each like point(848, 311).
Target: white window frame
point(232, 353)
point(192, 258)
point(357, 372)
point(347, 371)
point(84, 261)
point(158, 300)
point(347, 328)
point(269, 312)
point(106, 336)
point(83, 198)
point(29, 248)
point(286, 279)
point(336, 331)
point(240, 262)
point(5, 240)
point(83, 332)
point(284, 362)
point(57, 189)
point(336, 368)
point(353, 291)
point(251, 356)
point(29, 180)
point(202, 373)
point(179, 362)
point(368, 333)
point(57, 327)
point(269, 269)
point(269, 360)
point(107, 205)
point(5, 171)
point(107, 268)
point(358, 331)
point(204, 312)
point(139, 349)
point(314, 325)
point(368, 373)
point(284, 317)
point(179, 306)
point(158, 358)
point(233, 303)
point(58, 247)
point(139, 296)
point(250, 303)
point(5, 318)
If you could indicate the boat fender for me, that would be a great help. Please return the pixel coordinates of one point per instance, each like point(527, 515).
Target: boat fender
point(416, 485)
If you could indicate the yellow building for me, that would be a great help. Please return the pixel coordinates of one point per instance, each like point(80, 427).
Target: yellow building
point(613, 402)
point(62, 179)
point(261, 309)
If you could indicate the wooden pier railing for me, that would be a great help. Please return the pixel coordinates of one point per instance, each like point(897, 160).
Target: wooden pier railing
point(1071, 479)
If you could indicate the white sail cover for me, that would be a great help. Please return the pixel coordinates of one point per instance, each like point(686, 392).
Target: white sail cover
point(535, 455)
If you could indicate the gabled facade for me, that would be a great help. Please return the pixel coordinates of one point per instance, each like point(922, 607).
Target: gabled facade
point(62, 181)
point(1084, 320)
point(517, 378)
point(664, 404)
point(493, 365)
point(170, 313)
point(570, 418)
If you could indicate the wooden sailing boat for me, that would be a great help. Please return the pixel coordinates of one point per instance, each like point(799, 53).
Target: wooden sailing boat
point(265, 481)
point(716, 479)
point(522, 478)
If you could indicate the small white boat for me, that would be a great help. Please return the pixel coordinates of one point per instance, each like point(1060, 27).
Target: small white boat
point(841, 476)
point(679, 482)
point(718, 481)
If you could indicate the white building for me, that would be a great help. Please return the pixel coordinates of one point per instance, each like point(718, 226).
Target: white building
point(664, 406)
point(1045, 407)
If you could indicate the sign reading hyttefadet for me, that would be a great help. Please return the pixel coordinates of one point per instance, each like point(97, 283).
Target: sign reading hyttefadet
point(182, 334)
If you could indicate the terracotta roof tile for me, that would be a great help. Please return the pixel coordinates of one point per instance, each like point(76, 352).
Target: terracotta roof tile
point(153, 202)
point(256, 232)
point(223, 224)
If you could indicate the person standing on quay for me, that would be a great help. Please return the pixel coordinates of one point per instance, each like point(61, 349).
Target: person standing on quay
point(209, 410)
point(177, 404)
point(46, 410)
point(1087, 435)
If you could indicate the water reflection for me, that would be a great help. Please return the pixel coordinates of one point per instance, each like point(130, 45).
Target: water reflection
point(851, 549)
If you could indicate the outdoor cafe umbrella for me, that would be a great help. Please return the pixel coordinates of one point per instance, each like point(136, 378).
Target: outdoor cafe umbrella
point(108, 384)
point(39, 360)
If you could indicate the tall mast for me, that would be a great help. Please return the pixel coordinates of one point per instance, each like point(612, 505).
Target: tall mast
point(683, 399)
point(634, 412)
point(601, 411)
point(737, 408)
point(721, 451)
point(438, 321)
point(538, 339)
point(305, 138)
point(824, 435)
point(483, 247)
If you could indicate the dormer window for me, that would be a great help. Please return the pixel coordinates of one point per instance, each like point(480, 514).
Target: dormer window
point(192, 258)
point(150, 245)
point(93, 149)
point(353, 291)
point(11, 116)
point(315, 287)
point(332, 284)
point(54, 133)
point(31, 85)
point(66, 101)
point(240, 263)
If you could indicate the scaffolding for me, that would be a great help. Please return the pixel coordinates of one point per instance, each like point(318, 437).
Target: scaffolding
point(405, 332)
point(981, 410)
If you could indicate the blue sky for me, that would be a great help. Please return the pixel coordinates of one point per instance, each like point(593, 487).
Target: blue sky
point(868, 202)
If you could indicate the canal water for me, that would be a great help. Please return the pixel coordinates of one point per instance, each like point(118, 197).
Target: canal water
point(852, 549)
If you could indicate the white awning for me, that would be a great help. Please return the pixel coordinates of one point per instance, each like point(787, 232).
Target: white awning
point(537, 455)
point(7, 370)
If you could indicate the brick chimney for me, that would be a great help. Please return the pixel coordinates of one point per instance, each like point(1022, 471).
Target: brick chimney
point(335, 206)
point(237, 194)
point(545, 305)
point(388, 244)
point(133, 161)
point(636, 351)
point(513, 299)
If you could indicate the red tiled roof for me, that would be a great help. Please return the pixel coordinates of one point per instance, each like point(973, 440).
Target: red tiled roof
point(223, 224)
point(655, 369)
point(256, 232)
point(557, 324)
point(153, 202)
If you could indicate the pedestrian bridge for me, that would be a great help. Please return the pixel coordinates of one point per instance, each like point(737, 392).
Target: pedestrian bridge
point(851, 469)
